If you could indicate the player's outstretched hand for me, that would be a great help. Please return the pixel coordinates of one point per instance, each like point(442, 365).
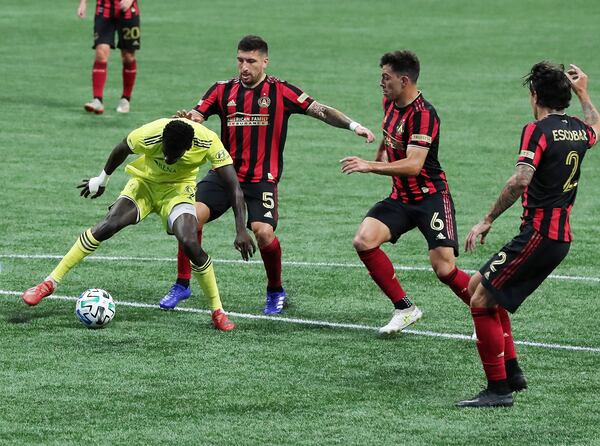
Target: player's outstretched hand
point(91, 187)
point(182, 114)
point(352, 164)
point(365, 133)
point(480, 229)
point(578, 79)
point(245, 245)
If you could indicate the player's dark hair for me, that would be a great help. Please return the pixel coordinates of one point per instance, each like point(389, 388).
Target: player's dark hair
point(177, 137)
point(551, 85)
point(253, 43)
point(403, 62)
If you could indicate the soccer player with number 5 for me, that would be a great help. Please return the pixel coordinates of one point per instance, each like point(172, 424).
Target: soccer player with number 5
point(420, 196)
point(254, 109)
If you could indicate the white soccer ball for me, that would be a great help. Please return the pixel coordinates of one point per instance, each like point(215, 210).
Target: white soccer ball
point(95, 308)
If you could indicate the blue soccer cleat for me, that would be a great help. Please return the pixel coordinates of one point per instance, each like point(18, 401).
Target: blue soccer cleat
point(176, 294)
point(275, 302)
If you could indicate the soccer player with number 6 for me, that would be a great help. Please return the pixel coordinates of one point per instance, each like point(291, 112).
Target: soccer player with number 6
point(420, 195)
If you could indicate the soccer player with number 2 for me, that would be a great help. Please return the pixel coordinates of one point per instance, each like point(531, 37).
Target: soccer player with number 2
point(546, 178)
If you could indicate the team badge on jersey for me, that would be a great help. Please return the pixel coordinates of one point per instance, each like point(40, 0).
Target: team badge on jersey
point(264, 101)
point(221, 155)
point(400, 127)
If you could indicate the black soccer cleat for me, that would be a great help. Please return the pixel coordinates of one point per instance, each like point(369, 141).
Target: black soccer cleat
point(517, 381)
point(487, 398)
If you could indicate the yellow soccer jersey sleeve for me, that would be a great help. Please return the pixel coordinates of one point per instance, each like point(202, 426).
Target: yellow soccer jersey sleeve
point(146, 141)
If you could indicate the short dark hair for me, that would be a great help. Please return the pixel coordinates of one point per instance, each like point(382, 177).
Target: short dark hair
point(550, 83)
point(177, 137)
point(403, 62)
point(253, 43)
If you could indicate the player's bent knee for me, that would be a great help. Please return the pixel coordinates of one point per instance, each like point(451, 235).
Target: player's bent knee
point(264, 234)
point(362, 243)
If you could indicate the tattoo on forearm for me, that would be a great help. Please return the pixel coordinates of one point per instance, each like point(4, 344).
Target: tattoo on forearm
point(590, 113)
point(329, 115)
point(512, 190)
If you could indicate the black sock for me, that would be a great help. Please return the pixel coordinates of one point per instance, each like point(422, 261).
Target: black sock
point(500, 387)
point(403, 303)
point(278, 289)
point(512, 367)
point(183, 282)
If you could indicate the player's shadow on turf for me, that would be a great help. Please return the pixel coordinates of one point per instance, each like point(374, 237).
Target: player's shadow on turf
point(24, 317)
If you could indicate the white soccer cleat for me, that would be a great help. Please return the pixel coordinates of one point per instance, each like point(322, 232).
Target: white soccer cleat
point(123, 106)
point(401, 319)
point(94, 106)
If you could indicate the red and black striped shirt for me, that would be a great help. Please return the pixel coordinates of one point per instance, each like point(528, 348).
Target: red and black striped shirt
point(418, 125)
point(110, 8)
point(254, 123)
point(555, 147)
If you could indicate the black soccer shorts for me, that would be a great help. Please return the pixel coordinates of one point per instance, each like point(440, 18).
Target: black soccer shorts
point(514, 272)
point(434, 216)
point(261, 199)
point(128, 31)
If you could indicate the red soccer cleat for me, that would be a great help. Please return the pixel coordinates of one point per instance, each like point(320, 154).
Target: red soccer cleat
point(34, 295)
point(221, 322)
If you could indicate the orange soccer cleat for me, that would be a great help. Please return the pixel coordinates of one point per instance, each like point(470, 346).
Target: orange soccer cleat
point(221, 322)
point(34, 295)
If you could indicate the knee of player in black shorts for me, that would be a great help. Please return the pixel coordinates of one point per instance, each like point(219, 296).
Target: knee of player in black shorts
point(264, 234)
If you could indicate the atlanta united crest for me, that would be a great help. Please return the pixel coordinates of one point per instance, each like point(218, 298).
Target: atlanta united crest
point(400, 127)
point(264, 101)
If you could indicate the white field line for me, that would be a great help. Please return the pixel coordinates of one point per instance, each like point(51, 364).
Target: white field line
point(258, 262)
point(326, 324)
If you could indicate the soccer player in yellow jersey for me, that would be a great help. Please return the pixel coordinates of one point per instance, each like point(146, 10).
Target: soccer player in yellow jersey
point(163, 181)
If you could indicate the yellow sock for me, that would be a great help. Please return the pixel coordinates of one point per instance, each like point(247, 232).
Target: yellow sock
point(205, 275)
point(83, 247)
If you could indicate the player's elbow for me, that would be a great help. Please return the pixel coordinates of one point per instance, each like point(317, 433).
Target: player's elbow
point(414, 169)
point(519, 182)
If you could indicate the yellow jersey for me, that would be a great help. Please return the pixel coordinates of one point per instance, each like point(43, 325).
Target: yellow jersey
point(147, 142)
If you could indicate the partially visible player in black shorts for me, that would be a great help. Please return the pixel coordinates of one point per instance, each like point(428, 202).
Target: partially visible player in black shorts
point(420, 195)
point(123, 18)
point(546, 178)
point(261, 199)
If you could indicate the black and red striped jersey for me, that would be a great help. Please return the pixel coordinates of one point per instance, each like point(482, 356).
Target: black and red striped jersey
point(110, 8)
point(555, 147)
point(418, 125)
point(254, 123)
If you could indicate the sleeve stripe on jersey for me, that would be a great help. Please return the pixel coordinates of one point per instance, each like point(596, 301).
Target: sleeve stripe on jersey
point(414, 146)
point(522, 163)
point(205, 143)
point(153, 139)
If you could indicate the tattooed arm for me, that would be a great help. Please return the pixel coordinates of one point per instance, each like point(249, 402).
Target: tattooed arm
point(336, 118)
point(514, 188)
point(579, 81)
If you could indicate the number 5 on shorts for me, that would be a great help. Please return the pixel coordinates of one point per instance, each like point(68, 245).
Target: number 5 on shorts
point(268, 201)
